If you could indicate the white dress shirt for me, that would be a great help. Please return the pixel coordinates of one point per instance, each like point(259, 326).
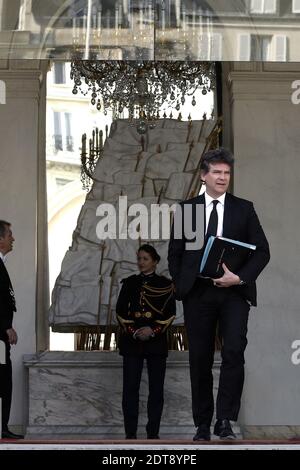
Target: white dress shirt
point(220, 210)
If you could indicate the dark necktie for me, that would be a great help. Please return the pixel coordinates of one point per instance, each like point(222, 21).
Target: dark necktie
point(213, 221)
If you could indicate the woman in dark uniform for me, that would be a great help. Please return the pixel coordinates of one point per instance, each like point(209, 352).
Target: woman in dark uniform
point(145, 308)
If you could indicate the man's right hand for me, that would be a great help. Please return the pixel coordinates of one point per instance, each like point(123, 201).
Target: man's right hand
point(12, 336)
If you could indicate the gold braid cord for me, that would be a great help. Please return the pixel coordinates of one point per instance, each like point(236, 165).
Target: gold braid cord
point(123, 322)
point(155, 292)
point(165, 323)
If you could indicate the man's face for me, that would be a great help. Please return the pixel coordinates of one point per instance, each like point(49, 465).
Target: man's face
point(217, 179)
point(6, 242)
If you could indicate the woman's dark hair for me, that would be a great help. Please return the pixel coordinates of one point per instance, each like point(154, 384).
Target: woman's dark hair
point(220, 155)
point(3, 227)
point(151, 251)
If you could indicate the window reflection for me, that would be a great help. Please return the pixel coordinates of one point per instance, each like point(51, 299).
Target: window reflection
point(151, 29)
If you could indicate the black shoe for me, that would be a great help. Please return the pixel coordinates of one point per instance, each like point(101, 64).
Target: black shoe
point(224, 430)
point(130, 436)
point(11, 435)
point(203, 433)
point(153, 436)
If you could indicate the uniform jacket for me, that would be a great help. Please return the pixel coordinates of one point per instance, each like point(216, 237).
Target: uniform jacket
point(145, 300)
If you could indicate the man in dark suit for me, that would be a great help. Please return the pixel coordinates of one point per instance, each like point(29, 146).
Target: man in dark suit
point(7, 333)
point(226, 300)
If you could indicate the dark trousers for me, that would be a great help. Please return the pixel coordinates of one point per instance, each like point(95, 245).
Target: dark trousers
point(132, 372)
point(6, 387)
point(203, 308)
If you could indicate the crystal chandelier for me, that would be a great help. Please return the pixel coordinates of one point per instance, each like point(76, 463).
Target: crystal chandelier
point(142, 88)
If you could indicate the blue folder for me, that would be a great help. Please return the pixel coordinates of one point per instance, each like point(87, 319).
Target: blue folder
point(219, 250)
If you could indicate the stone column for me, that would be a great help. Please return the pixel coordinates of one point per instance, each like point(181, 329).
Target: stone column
point(9, 11)
point(23, 203)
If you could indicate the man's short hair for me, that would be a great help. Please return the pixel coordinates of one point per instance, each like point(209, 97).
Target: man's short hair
point(220, 155)
point(3, 227)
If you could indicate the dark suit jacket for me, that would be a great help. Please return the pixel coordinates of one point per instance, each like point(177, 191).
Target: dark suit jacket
point(240, 223)
point(7, 302)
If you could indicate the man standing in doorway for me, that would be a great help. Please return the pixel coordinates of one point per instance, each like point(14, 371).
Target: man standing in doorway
point(226, 300)
point(7, 333)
